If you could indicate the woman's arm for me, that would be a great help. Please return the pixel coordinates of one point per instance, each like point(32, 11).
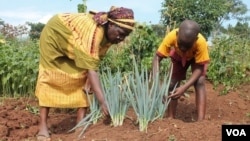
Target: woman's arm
point(96, 87)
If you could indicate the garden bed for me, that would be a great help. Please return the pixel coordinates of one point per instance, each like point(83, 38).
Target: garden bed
point(19, 120)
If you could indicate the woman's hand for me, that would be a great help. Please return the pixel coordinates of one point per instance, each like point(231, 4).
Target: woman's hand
point(104, 109)
point(95, 85)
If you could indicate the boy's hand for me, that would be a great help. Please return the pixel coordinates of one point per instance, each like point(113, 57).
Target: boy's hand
point(177, 93)
point(164, 99)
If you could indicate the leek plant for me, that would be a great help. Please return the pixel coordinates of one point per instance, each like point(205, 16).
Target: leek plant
point(163, 90)
point(117, 102)
point(92, 118)
point(146, 97)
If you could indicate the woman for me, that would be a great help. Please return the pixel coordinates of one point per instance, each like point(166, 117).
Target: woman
point(71, 48)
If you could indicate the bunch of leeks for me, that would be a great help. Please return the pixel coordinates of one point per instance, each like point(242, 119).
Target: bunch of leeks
point(145, 96)
point(117, 102)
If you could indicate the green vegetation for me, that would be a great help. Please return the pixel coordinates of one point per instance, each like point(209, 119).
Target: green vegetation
point(32, 109)
point(19, 68)
point(248, 115)
point(209, 14)
point(35, 30)
point(229, 65)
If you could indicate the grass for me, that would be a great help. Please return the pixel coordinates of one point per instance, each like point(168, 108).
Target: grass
point(32, 109)
point(172, 138)
point(248, 115)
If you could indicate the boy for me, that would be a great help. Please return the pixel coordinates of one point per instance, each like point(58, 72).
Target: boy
point(186, 47)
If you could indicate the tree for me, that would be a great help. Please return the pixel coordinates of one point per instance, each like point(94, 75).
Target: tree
point(10, 32)
point(35, 30)
point(209, 14)
point(240, 29)
point(82, 8)
point(159, 29)
point(1, 22)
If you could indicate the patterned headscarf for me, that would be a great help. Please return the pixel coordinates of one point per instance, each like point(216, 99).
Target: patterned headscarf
point(121, 16)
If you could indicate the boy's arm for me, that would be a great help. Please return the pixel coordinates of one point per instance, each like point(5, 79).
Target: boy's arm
point(197, 72)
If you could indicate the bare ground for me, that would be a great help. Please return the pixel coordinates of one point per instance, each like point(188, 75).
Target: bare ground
point(18, 121)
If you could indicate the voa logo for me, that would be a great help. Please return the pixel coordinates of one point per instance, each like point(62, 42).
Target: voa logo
point(236, 132)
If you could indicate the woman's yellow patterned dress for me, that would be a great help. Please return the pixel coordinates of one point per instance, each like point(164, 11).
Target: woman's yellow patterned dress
point(70, 44)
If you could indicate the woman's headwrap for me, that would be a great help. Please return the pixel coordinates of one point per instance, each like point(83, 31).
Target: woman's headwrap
point(121, 16)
